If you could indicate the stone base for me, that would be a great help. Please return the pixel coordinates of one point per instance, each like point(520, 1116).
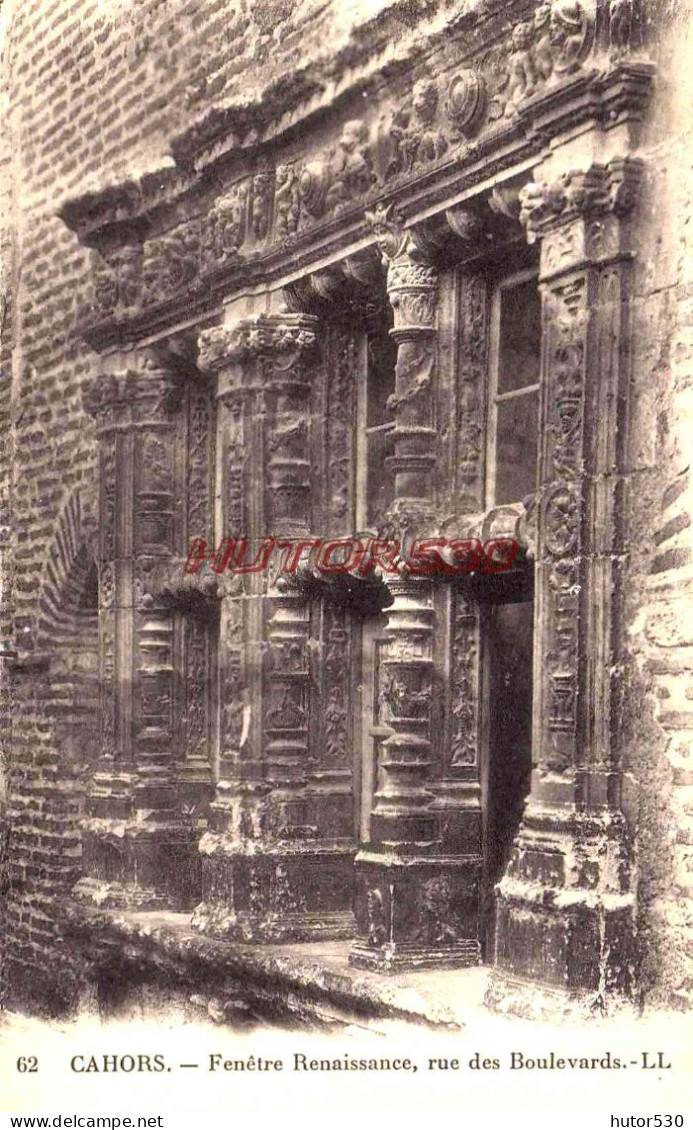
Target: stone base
point(135, 865)
point(283, 892)
point(393, 956)
point(108, 895)
point(565, 916)
point(416, 912)
point(520, 997)
point(218, 921)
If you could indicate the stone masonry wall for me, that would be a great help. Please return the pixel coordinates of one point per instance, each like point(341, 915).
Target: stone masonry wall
point(94, 91)
point(657, 728)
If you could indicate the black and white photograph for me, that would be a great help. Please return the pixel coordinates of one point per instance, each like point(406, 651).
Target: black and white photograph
point(346, 560)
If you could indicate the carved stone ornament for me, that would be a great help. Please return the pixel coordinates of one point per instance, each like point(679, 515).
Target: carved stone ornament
point(274, 334)
point(621, 26)
point(594, 192)
point(437, 922)
point(326, 184)
point(171, 262)
point(556, 42)
point(116, 398)
point(116, 281)
point(416, 138)
point(377, 927)
point(465, 103)
point(287, 202)
point(406, 266)
point(465, 224)
point(261, 204)
point(226, 227)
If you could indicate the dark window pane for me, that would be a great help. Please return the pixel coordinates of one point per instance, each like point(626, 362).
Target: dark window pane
point(380, 489)
point(516, 447)
point(509, 639)
point(381, 481)
point(382, 355)
point(520, 336)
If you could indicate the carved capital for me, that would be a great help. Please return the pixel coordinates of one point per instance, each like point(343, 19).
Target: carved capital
point(282, 338)
point(412, 282)
point(597, 191)
point(142, 395)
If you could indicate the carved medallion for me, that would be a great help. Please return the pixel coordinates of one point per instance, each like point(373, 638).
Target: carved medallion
point(465, 103)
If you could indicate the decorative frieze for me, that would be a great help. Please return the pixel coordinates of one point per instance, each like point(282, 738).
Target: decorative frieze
point(553, 44)
point(430, 118)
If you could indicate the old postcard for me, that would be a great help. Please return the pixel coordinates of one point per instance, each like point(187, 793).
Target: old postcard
point(346, 635)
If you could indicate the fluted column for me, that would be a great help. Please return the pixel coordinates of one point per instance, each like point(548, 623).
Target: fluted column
point(566, 903)
point(274, 865)
point(133, 834)
point(416, 906)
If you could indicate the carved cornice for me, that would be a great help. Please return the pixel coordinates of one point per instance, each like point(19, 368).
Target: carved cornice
point(177, 243)
point(597, 191)
point(282, 338)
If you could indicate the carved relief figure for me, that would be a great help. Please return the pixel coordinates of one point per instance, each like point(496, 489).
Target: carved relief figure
point(521, 80)
point(287, 205)
point(543, 51)
point(417, 140)
point(261, 205)
point(554, 43)
point(377, 930)
point(620, 25)
point(351, 172)
point(568, 28)
point(227, 227)
point(170, 262)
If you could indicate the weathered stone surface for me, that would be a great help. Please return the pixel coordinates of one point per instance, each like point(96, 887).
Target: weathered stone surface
point(118, 760)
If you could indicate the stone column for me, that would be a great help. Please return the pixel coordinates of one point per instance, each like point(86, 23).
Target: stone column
point(416, 907)
point(274, 867)
point(133, 837)
point(566, 903)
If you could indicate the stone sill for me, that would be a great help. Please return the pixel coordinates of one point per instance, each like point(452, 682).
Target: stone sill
point(304, 985)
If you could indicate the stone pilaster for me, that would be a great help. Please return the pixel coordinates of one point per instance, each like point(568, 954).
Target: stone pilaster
point(418, 906)
point(133, 837)
point(566, 903)
point(275, 866)
point(457, 771)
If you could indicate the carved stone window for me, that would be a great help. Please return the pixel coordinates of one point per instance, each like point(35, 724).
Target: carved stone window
point(514, 389)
